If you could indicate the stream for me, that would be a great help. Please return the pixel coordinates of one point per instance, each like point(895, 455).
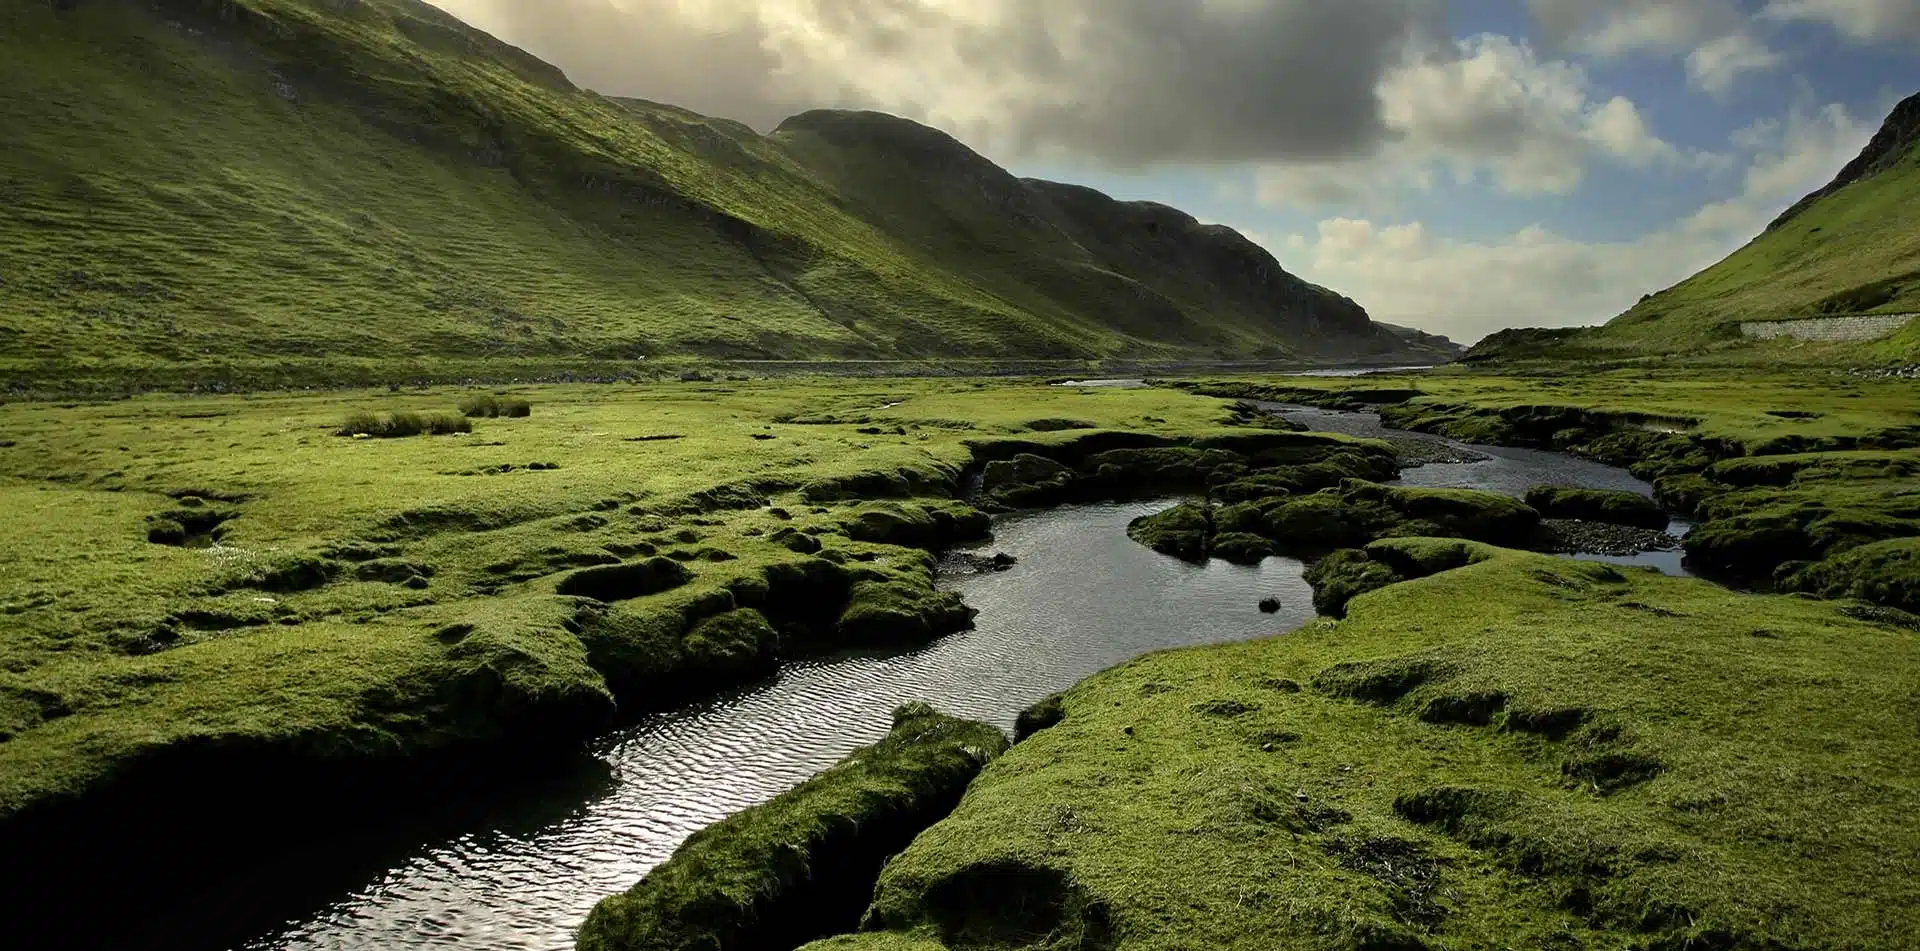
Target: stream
point(521, 872)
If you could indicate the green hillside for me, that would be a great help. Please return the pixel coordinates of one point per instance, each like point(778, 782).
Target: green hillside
point(193, 188)
point(1850, 248)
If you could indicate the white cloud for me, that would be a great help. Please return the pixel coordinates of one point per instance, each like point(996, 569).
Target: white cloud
point(1864, 21)
point(1715, 37)
point(1718, 63)
point(1618, 129)
point(1488, 106)
point(1406, 273)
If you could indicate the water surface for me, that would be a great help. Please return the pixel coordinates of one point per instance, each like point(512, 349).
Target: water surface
point(1501, 469)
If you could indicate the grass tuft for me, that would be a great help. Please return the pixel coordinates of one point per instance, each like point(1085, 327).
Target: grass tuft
point(401, 424)
point(488, 406)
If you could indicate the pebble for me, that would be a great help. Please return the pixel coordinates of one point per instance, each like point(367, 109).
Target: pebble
point(1569, 535)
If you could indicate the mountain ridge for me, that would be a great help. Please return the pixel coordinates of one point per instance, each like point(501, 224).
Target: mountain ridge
point(293, 184)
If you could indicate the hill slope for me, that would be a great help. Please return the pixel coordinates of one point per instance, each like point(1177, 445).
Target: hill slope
point(193, 186)
point(1852, 247)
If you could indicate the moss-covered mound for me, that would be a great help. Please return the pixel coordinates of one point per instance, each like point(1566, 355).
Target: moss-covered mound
point(1597, 505)
point(1587, 758)
point(1349, 573)
point(802, 865)
point(1234, 466)
point(1886, 573)
point(1184, 531)
point(1350, 515)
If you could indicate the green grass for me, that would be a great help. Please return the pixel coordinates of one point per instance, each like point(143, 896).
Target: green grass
point(802, 865)
point(291, 195)
point(1855, 251)
point(1587, 758)
point(227, 570)
point(1348, 513)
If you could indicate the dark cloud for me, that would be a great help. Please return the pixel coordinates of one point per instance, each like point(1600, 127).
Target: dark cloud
point(646, 49)
point(1126, 82)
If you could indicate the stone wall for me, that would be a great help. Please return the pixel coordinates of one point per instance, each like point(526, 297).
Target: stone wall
point(1860, 327)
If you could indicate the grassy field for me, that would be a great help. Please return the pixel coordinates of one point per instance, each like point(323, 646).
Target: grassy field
point(224, 592)
point(232, 567)
point(222, 612)
point(1589, 758)
point(292, 192)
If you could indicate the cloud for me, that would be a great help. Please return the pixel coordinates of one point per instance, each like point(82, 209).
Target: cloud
point(1715, 37)
point(1626, 27)
point(1863, 21)
point(716, 61)
point(1126, 82)
point(1406, 273)
point(1718, 63)
point(1488, 105)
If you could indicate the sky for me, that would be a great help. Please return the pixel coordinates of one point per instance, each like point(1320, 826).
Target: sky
point(1454, 165)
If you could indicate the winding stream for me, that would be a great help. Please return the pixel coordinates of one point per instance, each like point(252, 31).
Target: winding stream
point(522, 873)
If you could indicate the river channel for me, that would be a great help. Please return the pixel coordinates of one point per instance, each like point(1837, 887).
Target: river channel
point(522, 873)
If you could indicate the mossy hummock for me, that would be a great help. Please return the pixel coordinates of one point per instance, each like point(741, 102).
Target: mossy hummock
point(1597, 505)
point(803, 865)
point(1352, 514)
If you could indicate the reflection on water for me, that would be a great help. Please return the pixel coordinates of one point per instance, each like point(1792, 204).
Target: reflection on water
point(1082, 598)
point(1356, 371)
point(1107, 384)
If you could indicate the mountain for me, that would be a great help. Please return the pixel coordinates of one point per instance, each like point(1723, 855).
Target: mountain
point(1850, 248)
point(1435, 345)
point(301, 186)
